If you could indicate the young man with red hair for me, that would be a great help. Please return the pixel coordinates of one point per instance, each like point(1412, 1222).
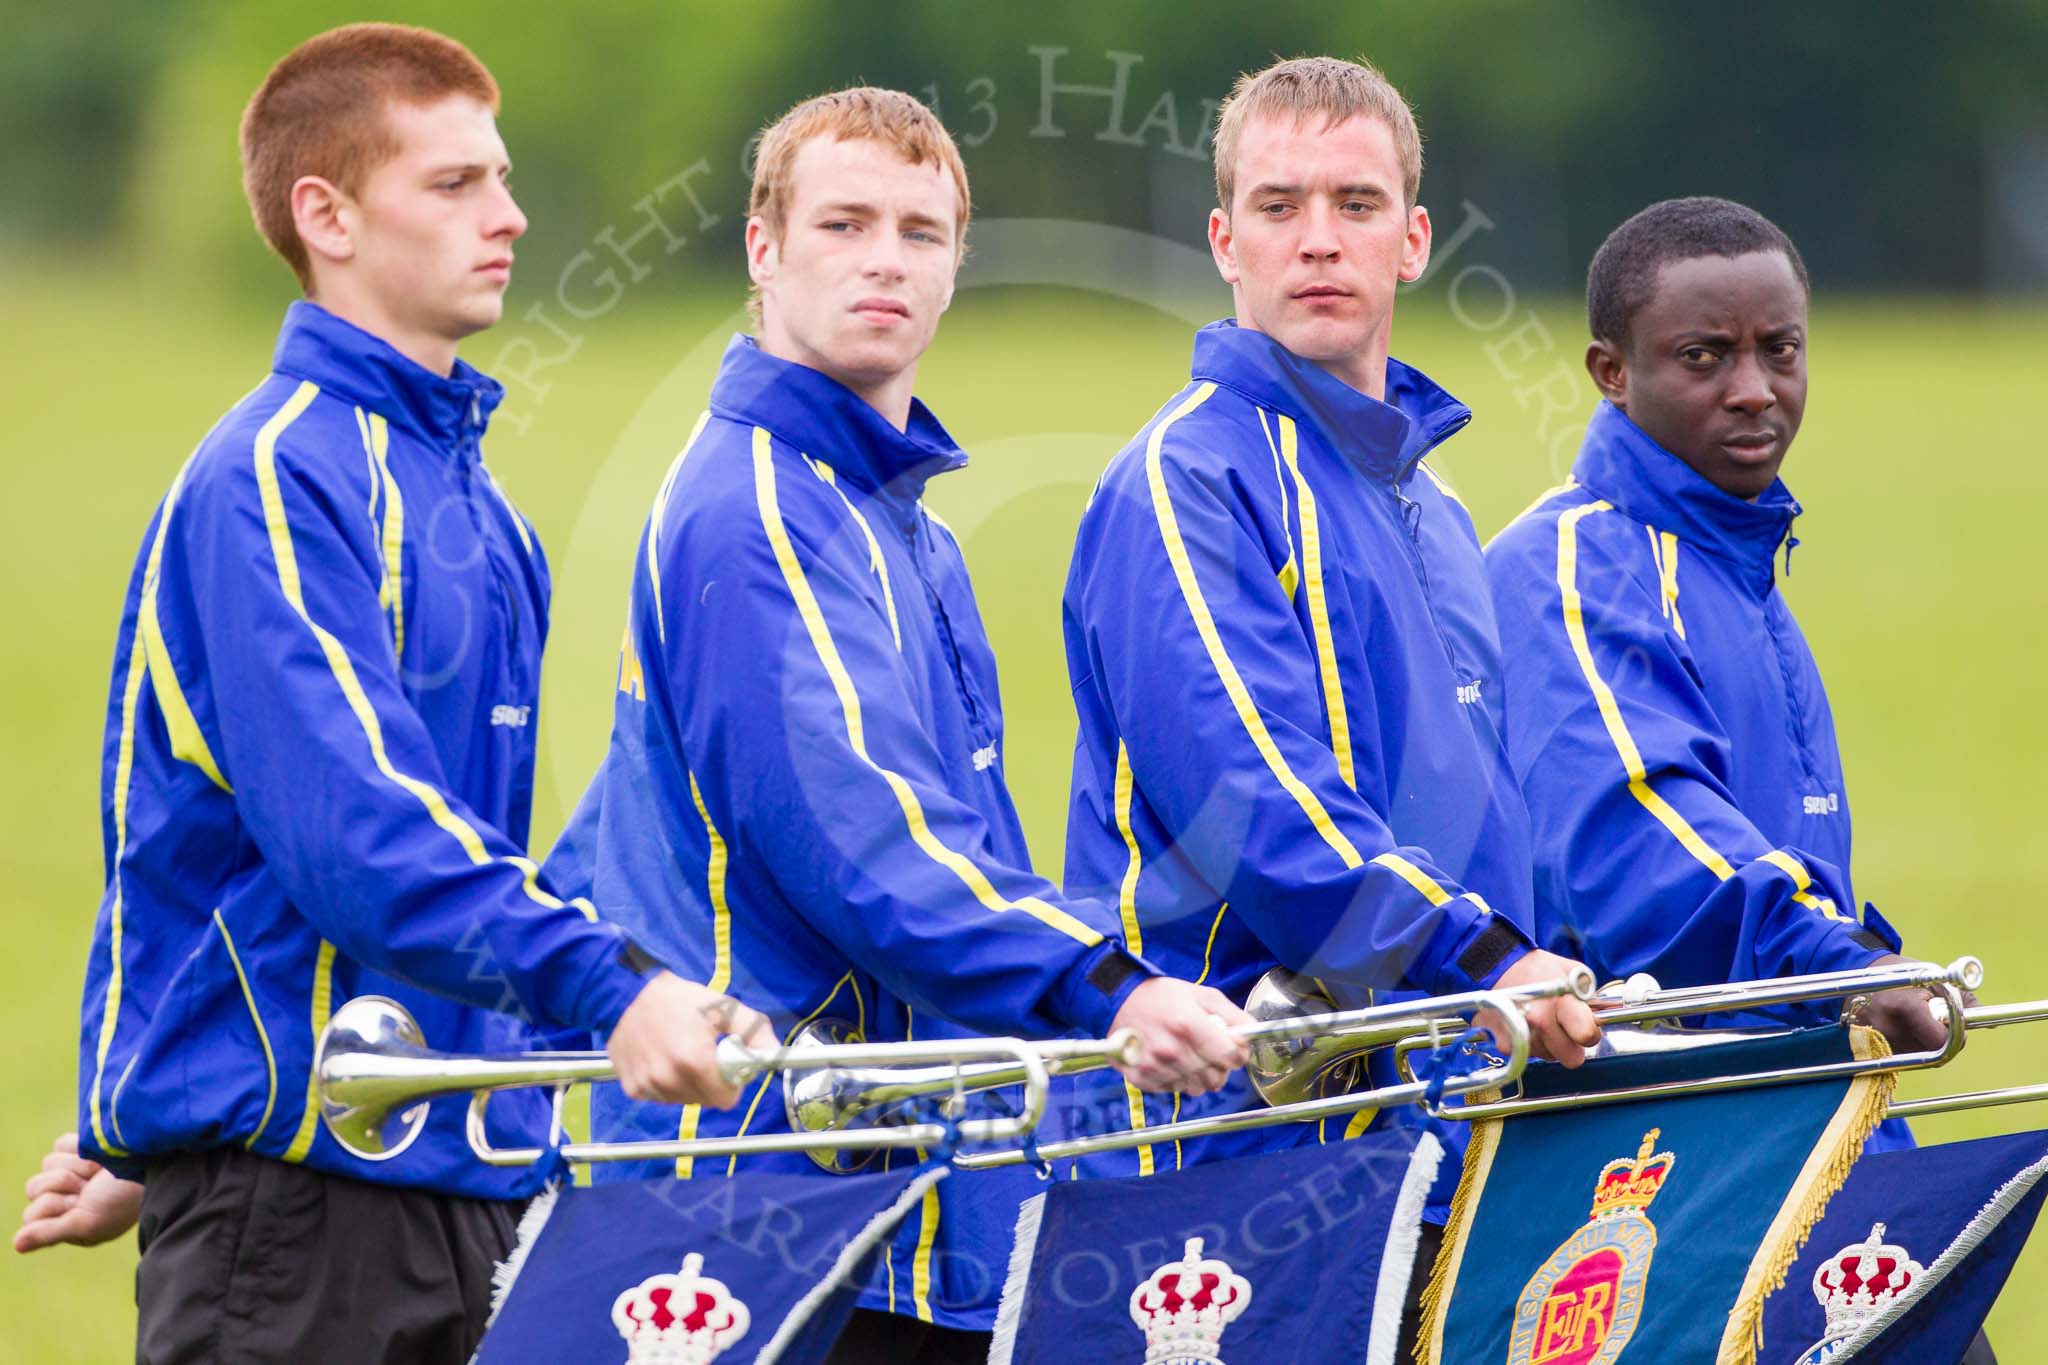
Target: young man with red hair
point(319, 769)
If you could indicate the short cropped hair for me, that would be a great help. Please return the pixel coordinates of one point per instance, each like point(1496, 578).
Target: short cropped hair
point(1623, 276)
point(898, 121)
point(320, 112)
point(1302, 87)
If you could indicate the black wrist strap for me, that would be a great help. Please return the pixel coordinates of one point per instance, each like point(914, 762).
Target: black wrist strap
point(1115, 968)
point(1489, 950)
point(638, 960)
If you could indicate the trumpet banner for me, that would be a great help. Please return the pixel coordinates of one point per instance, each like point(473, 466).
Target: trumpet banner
point(1293, 1256)
point(1657, 1226)
point(752, 1268)
point(1911, 1255)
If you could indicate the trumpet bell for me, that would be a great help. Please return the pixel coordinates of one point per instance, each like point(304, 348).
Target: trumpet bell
point(819, 1101)
point(363, 1111)
point(1291, 1070)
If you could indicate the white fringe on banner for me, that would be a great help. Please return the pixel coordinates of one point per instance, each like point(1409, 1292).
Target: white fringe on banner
point(1404, 1240)
point(530, 1223)
point(535, 1219)
point(1011, 1311)
point(1968, 1240)
point(879, 1228)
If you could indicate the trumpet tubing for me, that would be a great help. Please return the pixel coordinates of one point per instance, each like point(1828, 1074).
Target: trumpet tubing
point(376, 1078)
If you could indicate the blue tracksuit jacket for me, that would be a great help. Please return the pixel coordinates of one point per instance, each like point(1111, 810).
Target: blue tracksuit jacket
point(318, 771)
point(803, 802)
point(1670, 728)
point(1283, 655)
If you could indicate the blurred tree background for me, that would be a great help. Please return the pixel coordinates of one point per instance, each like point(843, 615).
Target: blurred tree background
point(1900, 143)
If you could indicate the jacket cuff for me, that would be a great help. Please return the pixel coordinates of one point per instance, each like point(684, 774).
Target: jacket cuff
point(1845, 947)
point(1877, 932)
point(1088, 997)
point(1471, 950)
point(622, 971)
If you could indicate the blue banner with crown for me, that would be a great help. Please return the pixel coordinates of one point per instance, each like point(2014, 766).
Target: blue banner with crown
point(1303, 1255)
point(1911, 1255)
point(1657, 1225)
point(752, 1268)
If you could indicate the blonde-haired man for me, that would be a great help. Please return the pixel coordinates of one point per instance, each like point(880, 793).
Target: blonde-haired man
point(311, 792)
point(1277, 624)
point(803, 800)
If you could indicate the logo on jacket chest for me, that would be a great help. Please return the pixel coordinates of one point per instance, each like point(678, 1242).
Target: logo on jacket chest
point(514, 716)
point(1823, 805)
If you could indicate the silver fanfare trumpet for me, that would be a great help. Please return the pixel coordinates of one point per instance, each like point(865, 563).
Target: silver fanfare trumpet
point(1982, 1017)
point(846, 1100)
point(1656, 1011)
point(376, 1077)
point(1302, 1058)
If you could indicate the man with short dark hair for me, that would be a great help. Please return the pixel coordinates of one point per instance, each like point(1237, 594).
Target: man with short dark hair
point(1665, 715)
point(319, 767)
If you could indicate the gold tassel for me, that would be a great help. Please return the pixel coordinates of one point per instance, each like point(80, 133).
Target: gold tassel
point(1862, 1109)
point(1479, 1152)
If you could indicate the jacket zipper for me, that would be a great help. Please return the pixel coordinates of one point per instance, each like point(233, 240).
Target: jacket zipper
point(1409, 513)
point(913, 530)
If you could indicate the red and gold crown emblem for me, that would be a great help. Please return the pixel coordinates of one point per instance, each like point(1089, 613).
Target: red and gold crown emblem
point(681, 1319)
point(1628, 1186)
point(1581, 1307)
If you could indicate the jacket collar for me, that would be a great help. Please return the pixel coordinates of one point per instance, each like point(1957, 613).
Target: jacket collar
point(367, 370)
point(1624, 466)
point(828, 421)
point(1383, 440)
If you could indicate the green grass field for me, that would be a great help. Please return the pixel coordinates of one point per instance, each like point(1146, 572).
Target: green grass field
point(1919, 581)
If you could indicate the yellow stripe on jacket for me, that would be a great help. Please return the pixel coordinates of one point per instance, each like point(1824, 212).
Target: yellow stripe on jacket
point(971, 876)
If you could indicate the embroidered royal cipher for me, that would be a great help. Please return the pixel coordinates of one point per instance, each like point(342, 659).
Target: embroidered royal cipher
point(1648, 1230)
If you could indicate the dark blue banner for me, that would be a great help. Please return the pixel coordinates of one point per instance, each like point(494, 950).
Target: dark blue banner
point(751, 1268)
point(1911, 1255)
point(1302, 1255)
point(1656, 1225)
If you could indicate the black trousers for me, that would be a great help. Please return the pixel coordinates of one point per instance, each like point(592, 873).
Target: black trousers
point(249, 1261)
point(873, 1338)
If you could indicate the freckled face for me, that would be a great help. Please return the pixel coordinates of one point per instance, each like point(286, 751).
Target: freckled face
point(866, 263)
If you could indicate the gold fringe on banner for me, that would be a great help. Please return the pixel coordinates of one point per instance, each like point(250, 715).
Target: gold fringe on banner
point(1436, 1295)
point(1841, 1143)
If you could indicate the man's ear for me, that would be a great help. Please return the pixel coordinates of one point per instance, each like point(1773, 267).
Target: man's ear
point(324, 218)
point(1223, 246)
point(764, 253)
point(1415, 248)
point(1609, 368)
